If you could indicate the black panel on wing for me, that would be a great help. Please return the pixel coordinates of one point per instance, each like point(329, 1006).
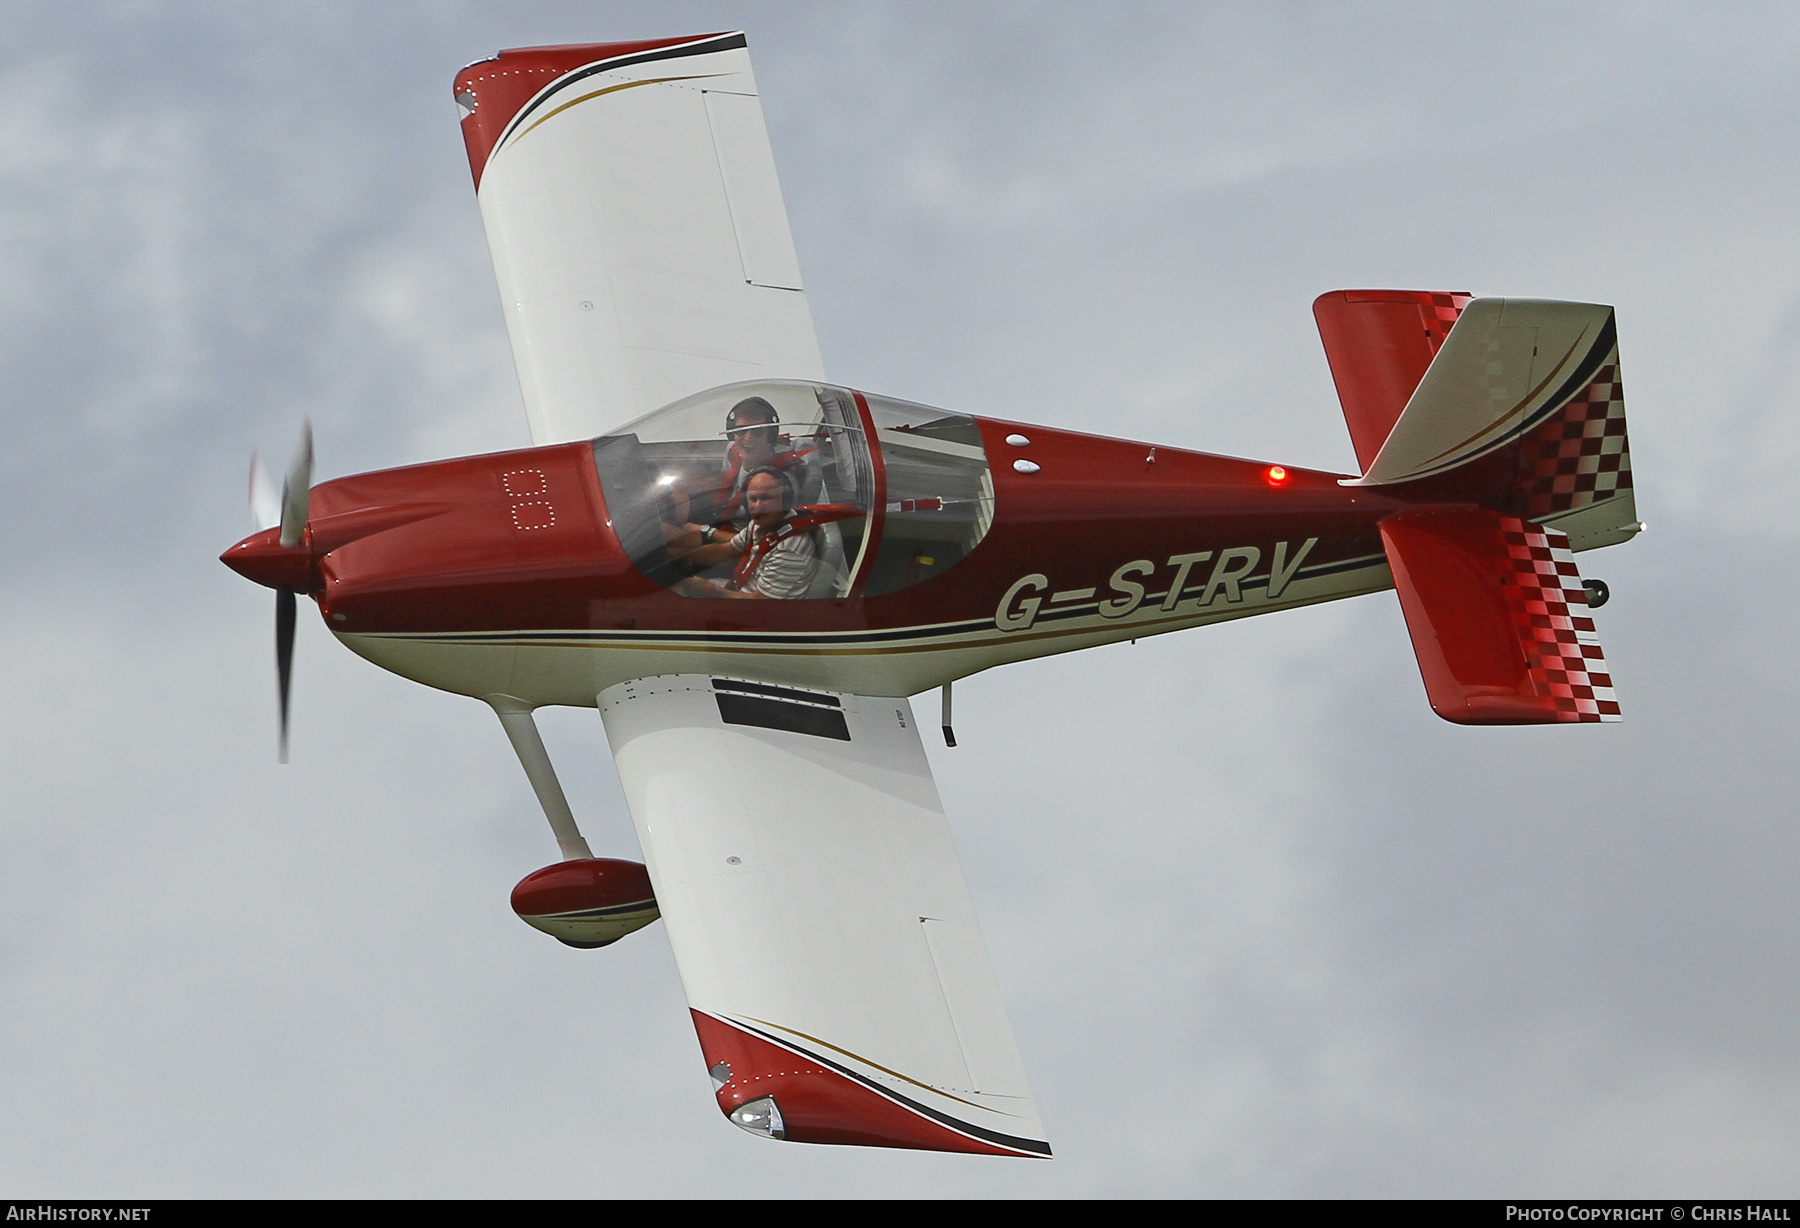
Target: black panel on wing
point(772, 707)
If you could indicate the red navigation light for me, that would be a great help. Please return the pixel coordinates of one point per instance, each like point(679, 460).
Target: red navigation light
point(1276, 476)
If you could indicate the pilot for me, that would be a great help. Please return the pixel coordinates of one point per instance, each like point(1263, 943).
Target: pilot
point(753, 428)
point(776, 557)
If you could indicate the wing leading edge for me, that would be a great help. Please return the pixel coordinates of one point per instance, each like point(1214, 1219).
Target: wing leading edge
point(636, 224)
point(817, 910)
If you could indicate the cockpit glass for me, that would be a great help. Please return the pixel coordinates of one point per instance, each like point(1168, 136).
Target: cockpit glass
point(940, 495)
point(677, 484)
point(767, 489)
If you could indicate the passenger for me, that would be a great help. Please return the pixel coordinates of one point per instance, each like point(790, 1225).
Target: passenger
point(776, 557)
point(753, 429)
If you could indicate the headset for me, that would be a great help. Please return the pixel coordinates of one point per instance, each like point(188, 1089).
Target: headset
point(751, 405)
point(787, 485)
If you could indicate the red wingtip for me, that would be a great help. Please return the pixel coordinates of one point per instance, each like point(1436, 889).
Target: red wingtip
point(492, 91)
point(819, 1105)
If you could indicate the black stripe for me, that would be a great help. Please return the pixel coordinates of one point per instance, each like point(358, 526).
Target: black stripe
point(1584, 373)
point(850, 639)
point(828, 638)
point(1583, 376)
point(777, 714)
point(1605, 341)
point(776, 692)
point(1033, 1146)
point(711, 637)
point(727, 42)
point(616, 910)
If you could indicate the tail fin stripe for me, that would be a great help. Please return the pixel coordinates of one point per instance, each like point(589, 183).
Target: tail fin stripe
point(1483, 441)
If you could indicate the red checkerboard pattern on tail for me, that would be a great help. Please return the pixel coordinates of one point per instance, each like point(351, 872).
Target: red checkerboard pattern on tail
point(1379, 344)
point(1440, 314)
point(1581, 456)
point(1498, 618)
point(1549, 608)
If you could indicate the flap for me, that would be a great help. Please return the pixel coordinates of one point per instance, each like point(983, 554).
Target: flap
point(637, 227)
point(1498, 618)
point(818, 914)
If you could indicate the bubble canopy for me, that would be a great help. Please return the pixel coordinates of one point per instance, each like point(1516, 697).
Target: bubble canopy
point(881, 494)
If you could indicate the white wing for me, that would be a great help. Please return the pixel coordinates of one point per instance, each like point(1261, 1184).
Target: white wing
point(819, 917)
point(636, 225)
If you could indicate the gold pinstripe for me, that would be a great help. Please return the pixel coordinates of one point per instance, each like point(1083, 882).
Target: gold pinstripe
point(611, 89)
point(1516, 409)
point(936, 1091)
point(978, 639)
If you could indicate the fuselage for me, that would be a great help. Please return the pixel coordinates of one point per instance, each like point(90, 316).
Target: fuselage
point(505, 574)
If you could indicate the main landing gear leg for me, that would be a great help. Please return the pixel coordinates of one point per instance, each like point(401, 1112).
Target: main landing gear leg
point(522, 731)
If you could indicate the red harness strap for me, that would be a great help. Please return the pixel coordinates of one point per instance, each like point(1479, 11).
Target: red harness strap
point(727, 500)
point(802, 519)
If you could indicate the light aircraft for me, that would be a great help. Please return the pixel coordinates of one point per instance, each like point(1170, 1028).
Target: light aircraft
point(749, 570)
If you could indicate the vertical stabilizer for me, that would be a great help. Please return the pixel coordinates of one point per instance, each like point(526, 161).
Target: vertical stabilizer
point(1513, 404)
point(1379, 344)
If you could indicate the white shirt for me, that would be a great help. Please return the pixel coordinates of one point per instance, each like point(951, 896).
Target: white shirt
point(787, 570)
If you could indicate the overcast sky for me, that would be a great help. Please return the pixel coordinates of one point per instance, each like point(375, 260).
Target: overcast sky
point(1264, 924)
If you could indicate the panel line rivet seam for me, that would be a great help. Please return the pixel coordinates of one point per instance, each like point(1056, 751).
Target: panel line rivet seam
point(774, 1074)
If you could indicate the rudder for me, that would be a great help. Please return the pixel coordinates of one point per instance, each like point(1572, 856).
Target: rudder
point(1379, 344)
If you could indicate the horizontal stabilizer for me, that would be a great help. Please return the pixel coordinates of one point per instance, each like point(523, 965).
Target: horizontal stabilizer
point(1498, 617)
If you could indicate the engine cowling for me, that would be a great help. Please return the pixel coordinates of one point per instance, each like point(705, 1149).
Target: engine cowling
point(589, 902)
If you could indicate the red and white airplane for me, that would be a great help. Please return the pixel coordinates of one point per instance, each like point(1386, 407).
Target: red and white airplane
point(752, 574)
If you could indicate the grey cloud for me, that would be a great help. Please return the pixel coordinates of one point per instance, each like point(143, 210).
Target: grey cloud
point(1264, 925)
